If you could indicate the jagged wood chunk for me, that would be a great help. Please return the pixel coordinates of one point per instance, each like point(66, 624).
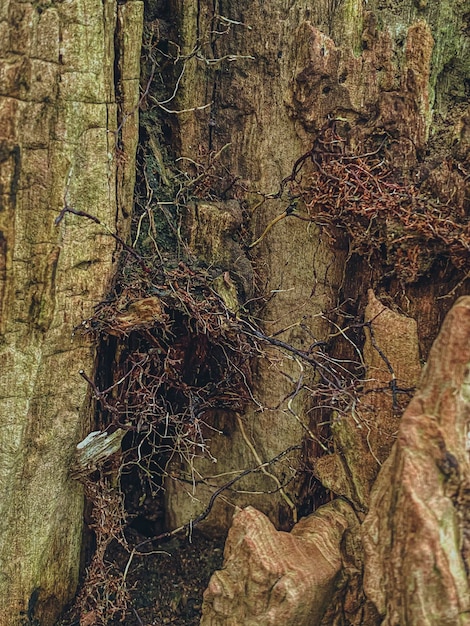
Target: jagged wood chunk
point(273, 577)
point(416, 535)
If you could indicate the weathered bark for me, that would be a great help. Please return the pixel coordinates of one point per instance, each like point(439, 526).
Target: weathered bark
point(255, 98)
point(391, 74)
point(416, 535)
point(385, 71)
point(299, 274)
point(58, 138)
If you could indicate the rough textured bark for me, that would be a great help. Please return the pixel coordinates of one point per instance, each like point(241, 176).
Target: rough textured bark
point(389, 73)
point(416, 534)
point(248, 112)
point(62, 67)
point(383, 70)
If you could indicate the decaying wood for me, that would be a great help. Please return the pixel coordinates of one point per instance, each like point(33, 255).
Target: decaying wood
point(58, 147)
point(363, 439)
point(273, 577)
point(416, 534)
point(382, 75)
point(95, 448)
point(254, 87)
point(291, 262)
point(379, 73)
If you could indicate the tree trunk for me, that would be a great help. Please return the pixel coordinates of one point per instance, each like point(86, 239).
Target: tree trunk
point(257, 86)
point(64, 66)
point(295, 269)
point(314, 157)
point(256, 98)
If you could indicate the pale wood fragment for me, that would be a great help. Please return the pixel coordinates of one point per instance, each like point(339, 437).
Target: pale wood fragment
point(416, 535)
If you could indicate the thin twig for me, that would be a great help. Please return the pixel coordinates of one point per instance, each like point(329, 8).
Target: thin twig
point(202, 516)
point(93, 218)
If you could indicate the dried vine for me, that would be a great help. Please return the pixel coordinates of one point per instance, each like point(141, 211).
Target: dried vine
point(360, 196)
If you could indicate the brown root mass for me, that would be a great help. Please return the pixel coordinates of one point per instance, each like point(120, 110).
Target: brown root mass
point(386, 219)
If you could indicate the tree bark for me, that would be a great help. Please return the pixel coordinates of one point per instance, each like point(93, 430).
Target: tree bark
point(416, 535)
point(390, 77)
point(261, 93)
point(248, 114)
point(63, 67)
point(253, 87)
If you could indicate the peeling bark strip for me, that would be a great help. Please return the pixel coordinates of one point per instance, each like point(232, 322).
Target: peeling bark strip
point(58, 122)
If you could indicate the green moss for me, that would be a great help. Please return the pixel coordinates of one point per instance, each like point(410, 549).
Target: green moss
point(450, 65)
point(348, 25)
